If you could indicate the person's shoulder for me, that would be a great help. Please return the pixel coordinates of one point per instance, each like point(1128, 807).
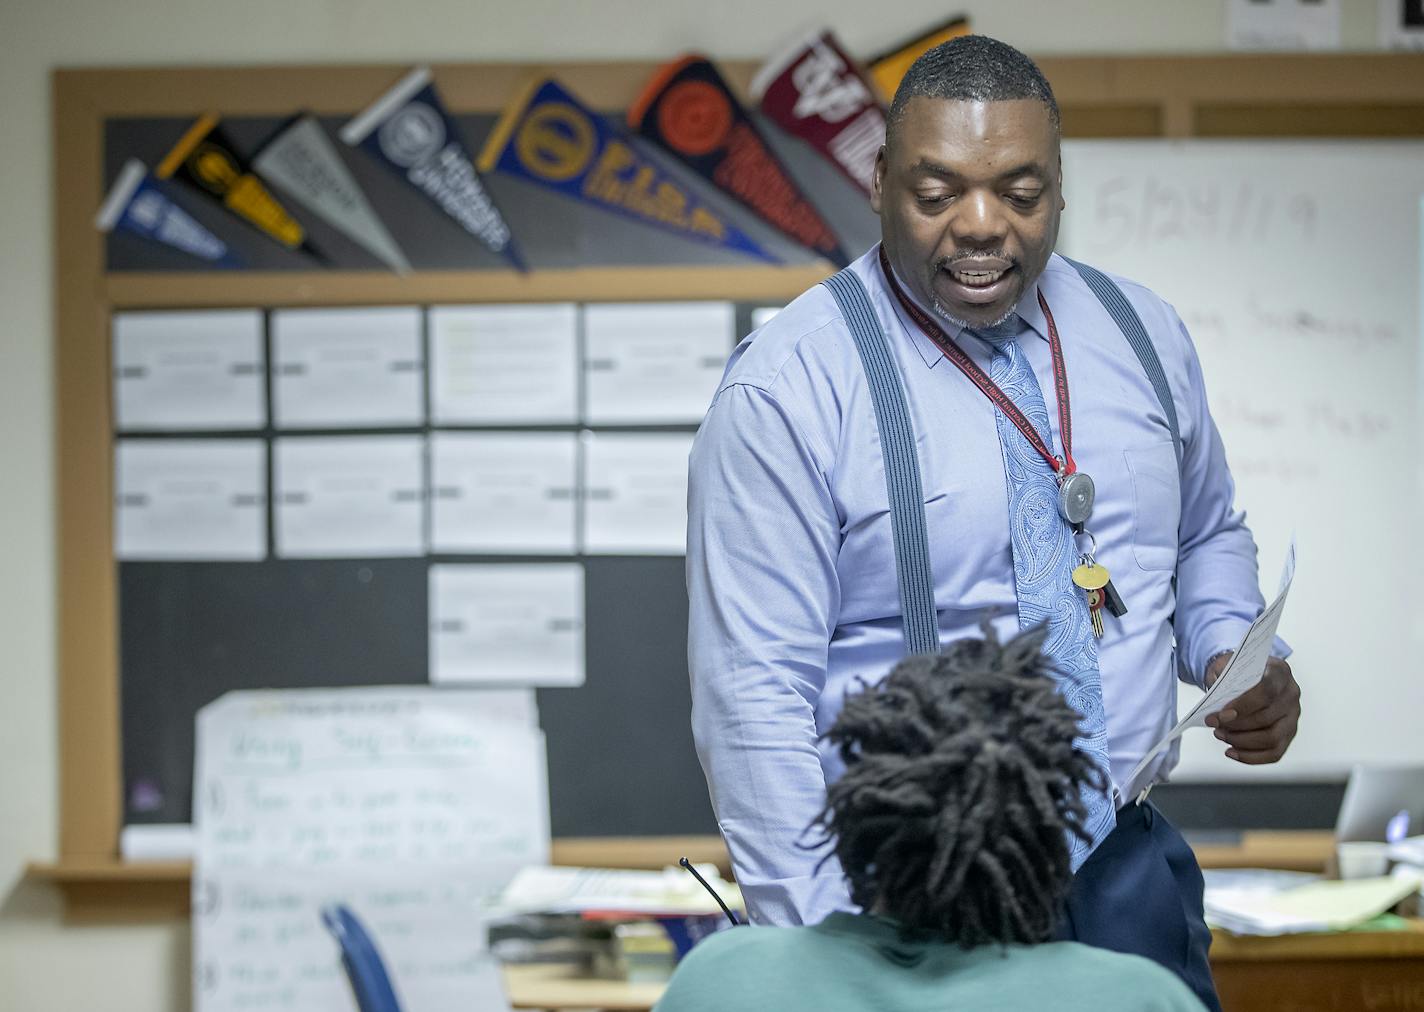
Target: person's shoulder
point(1062, 271)
point(745, 943)
point(730, 967)
point(807, 341)
point(1122, 980)
point(1159, 317)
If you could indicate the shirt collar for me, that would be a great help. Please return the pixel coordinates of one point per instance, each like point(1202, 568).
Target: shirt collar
point(1028, 310)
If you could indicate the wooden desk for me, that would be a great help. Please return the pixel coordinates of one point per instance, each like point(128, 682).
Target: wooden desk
point(542, 987)
point(1346, 972)
point(1291, 850)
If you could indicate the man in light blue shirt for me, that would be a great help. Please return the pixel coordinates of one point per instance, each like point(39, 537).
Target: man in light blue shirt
point(791, 567)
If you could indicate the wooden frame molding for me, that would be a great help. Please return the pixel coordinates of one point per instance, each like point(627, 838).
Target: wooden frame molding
point(1251, 95)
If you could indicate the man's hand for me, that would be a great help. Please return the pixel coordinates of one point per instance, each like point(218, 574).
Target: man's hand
point(1260, 724)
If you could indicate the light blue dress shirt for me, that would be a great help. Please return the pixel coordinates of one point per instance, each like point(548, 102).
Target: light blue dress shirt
point(791, 567)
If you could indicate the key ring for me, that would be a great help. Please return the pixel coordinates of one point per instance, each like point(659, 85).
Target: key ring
point(1085, 533)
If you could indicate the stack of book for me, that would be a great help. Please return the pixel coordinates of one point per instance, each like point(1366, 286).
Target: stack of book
point(605, 922)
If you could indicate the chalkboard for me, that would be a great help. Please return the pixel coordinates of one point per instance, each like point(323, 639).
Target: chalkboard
point(621, 759)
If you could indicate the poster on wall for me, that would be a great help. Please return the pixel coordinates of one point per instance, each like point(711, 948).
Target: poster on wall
point(409, 131)
point(1401, 24)
point(814, 91)
point(206, 159)
point(137, 203)
point(688, 109)
point(547, 136)
point(1255, 25)
point(303, 162)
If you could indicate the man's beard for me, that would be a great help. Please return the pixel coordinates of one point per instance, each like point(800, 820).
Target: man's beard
point(939, 308)
point(944, 264)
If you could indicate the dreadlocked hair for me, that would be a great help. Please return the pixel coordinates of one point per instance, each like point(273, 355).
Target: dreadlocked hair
point(960, 788)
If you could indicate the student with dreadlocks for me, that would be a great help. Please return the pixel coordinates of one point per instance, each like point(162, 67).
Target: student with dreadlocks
point(962, 786)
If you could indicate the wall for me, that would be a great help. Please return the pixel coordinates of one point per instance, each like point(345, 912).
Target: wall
point(43, 963)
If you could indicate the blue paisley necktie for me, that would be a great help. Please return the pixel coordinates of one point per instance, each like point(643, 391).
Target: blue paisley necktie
point(1044, 558)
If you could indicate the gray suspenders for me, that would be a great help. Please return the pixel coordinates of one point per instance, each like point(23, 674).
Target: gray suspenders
point(902, 465)
point(897, 437)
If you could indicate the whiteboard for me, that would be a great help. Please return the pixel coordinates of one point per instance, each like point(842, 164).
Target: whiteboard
point(1296, 266)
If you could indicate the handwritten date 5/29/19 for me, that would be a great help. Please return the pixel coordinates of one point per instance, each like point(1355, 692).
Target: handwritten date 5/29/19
point(1150, 211)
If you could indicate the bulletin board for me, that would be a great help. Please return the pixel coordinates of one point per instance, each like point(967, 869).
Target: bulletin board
point(101, 116)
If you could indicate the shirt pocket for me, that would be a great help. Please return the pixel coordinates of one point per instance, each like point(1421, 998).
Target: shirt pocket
point(1156, 505)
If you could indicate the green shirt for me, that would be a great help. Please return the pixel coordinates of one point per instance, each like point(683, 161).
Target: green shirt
point(855, 961)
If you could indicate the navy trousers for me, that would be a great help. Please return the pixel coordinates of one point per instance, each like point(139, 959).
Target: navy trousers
point(1141, 892)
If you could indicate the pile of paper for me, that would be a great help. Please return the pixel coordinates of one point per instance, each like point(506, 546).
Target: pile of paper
point(1266, 906)
point(614, 923)
point(671, 892)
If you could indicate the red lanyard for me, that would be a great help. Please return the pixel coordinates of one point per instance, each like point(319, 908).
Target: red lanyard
point(991, 390)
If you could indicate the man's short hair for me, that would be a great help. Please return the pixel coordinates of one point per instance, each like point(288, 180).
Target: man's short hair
point(972, 68)
point(962, 784)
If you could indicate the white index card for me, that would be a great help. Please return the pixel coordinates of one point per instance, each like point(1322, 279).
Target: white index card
point(189, 370)
point(493, 365)
point(762, 315)
point(655, 362)
point(504, 493)
point(507, 624)
point(347, 368)
point(349, 496)
point(190, 499)
point(635, 493)
point(1283, 24)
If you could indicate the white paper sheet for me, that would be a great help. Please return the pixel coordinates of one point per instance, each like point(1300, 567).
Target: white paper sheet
point(503, 365)
point(349, 496)
point(412, 806)
point(171, 841)
point(370, 778)
point(507, 624)
point(635, 493)
point(1283, 24)
point(190, 499)
point(656, 362)
point(189, 370)
point(259, 942)
point(347, 368)
point(1242, 673)
point(504, 493)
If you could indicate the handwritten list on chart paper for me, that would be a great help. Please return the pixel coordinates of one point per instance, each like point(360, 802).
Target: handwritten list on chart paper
point(413, 807)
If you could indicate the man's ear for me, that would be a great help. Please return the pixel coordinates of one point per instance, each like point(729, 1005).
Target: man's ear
point(877, 182)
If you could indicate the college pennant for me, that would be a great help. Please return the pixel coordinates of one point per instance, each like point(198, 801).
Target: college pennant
point(409, 131)
point(205, 158)
point(136, 203)
point(889, 67)
point(548, 137)
point(688, 109)
point(814, 91)
point(304, 164)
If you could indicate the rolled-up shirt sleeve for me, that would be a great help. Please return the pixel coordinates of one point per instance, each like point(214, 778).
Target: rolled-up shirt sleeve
point(1218, 592)
point(763, 537)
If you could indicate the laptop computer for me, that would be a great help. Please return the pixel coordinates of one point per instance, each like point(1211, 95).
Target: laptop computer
point(1382, 803)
